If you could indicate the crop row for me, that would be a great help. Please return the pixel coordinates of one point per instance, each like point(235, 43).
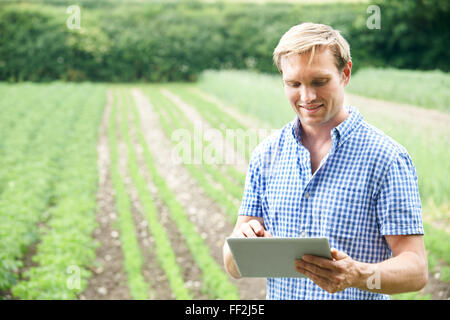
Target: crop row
point(66, 248)
point(218, 119)
point(211, 112)
point(172, 118)
point(164, 252)
point(216, 282)
point(19, 127)
point(133, 262)
point(32, 160)
point(15, 118)
point(179, 120)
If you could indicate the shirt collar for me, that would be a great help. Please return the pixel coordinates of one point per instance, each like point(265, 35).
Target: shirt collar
point(338, 134)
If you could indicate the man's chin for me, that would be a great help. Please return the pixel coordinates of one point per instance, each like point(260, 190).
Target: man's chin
point(315, 117)
point(312, 120)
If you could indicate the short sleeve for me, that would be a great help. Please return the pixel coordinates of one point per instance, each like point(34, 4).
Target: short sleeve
point(398, 206)
point(251, 201)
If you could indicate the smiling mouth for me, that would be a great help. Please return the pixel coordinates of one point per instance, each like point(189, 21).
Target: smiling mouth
point(311, 107)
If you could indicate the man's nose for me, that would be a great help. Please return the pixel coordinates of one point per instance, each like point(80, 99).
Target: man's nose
point(307, 94)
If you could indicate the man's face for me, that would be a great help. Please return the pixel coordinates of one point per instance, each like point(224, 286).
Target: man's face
point(315, 91)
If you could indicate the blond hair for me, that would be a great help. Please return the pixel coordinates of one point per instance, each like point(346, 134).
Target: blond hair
point(309, 37)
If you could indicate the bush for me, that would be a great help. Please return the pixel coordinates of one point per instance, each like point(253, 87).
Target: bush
point(414, 34)
point(177, 41)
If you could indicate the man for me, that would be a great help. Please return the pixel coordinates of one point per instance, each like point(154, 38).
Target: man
point(330, 174)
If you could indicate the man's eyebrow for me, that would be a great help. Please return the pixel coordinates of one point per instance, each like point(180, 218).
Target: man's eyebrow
point(322, 75)
point(317, 76)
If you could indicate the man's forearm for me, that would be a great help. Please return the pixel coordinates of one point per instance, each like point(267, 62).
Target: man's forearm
point(403, 273)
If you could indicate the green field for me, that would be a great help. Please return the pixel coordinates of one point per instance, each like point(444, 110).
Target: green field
point(48, 140)
point(49, 208)
point(425, 89)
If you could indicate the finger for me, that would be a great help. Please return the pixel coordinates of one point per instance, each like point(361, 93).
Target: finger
point(267, 234)
point(239, 234)
point(320, 281)
point(248, 231)
point(319, 261)
point(314, 269)
point(258, 229)
point(338, 255)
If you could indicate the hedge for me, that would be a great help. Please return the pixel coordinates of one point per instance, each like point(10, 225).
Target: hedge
point(176, 41)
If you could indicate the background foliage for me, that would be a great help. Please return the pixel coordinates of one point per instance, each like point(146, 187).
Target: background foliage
point(172, 41)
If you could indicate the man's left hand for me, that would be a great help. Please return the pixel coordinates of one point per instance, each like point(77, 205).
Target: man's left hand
point(331, 275)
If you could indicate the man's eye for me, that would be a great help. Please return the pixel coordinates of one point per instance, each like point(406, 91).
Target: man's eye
point(294, 85)
point(320, 83)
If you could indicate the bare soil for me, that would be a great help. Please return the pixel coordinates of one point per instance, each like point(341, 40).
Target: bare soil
point(190, 271)
point(438, 289)
point(240, 163)
point(212, 223)
point(402, 113)
point(109, 280)
point(154, 276)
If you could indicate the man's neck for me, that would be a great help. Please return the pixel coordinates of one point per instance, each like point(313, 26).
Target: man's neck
point(321, 134)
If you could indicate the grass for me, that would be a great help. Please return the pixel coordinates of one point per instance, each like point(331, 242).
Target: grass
point(257, 94)
point(426, 89)
point(289, 1)
point(411, 296)
point(219, 119)
point(437, 244)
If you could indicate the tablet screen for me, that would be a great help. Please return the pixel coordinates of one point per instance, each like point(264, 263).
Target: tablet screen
point(274, 257)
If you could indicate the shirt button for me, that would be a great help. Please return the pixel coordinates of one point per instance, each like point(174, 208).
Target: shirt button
point(307, 195)
point(303, 234)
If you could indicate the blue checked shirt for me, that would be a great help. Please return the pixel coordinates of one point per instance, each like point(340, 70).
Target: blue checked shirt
point(365, 188)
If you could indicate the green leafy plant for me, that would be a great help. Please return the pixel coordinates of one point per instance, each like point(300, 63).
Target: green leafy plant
point(171, 119)
point(216, 282)
point(164, 252)
point(64, 150)
point(128, 237)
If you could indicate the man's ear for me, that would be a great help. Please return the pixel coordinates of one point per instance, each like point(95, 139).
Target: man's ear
point(347, 72)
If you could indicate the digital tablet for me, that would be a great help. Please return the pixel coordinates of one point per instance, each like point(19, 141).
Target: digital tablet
point(274, 257)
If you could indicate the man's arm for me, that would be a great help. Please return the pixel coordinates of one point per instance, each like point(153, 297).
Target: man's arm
point(246, 226)
point(406, 271)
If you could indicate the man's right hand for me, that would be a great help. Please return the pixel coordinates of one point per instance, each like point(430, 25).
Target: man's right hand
point(246, 227)
point(251, 229)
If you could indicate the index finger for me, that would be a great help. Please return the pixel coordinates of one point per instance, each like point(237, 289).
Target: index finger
point(257, 227)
